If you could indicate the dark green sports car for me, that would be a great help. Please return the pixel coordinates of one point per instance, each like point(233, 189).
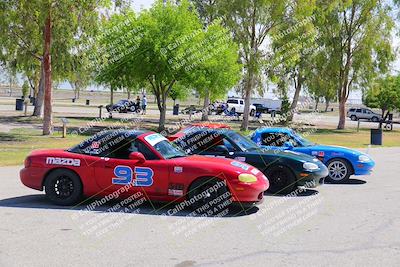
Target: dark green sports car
point(286, 170)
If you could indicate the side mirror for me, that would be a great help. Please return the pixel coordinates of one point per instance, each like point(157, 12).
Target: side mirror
point(221, 149)
point(288, 145)
point(137, 156)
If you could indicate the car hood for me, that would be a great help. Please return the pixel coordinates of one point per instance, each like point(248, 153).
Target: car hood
point(286, 153)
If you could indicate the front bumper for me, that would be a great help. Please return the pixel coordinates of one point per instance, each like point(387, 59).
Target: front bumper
point(250, 193)
point(363, 168)
point(312, 179)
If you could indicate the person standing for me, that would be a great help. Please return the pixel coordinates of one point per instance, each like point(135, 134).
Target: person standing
point(144, 104)
point(137, 104)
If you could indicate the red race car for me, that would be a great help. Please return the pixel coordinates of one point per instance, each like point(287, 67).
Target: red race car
point(131, 161)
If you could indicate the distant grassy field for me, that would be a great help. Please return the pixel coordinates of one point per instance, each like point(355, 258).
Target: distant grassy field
point(352, 138)
point(18, 143)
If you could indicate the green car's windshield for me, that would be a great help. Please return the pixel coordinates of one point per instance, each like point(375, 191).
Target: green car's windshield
point(242, 142)
point(302, 140)
point(164, 147)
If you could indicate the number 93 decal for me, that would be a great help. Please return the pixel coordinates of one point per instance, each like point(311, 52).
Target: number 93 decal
point(141, 176)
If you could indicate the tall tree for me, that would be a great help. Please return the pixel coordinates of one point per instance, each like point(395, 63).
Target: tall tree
point(216, 76)
point(46, 31)
point(251, 22)
point(294, 47)
point(356, 35)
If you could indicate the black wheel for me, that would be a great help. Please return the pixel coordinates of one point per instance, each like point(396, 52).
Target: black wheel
point(339, 170)
point(233, 110)
point(132, 108)
point(281, 180)
point(353, 117)
point(209, 195)
point(252, 112)
point(375, 119)
point(63, 187)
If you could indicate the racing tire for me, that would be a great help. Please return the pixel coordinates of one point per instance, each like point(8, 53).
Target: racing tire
point(353, 117)
point(339, 171)
point(63, 187)
point(132, 108)
point(374, 119)
point(233, 110)
point(252, 112)
point(281, 180)
point(209, 196)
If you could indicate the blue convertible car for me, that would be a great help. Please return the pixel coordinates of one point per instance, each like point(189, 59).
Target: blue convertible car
point(341, 162)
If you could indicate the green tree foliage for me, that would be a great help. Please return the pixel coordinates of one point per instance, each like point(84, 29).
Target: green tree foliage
point(25, 89)
point(294, 46)
point(41, 35)
point(385, 95)
point(220, 70)
point(251, 22)
point(355, 37)
point(171, 47)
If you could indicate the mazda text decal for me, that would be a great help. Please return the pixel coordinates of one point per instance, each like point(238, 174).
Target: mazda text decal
point(63, 161)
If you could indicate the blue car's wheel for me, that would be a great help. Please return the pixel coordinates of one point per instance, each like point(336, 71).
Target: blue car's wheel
point(339, 170)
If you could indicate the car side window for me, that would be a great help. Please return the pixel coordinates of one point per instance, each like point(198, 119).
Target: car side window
point(358, 110)
point(147, 153)
point(277, 139)
point(121, 148)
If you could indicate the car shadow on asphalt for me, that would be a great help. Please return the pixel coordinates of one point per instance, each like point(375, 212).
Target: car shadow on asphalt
point(348, 182)
point(296, 193)
point(39, 201)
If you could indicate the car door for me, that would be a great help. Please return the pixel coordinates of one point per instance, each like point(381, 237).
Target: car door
point(115, 170)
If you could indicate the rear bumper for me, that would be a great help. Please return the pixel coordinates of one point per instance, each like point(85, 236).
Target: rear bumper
point(32, 177)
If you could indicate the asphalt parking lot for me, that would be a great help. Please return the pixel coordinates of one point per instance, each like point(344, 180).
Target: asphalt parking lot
point(355, 224)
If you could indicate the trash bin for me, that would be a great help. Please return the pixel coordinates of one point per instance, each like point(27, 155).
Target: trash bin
point(273, 113)
point(376, 137)
point(87, 102)
point(175, 111)
point(73, 100)
point(19, 104)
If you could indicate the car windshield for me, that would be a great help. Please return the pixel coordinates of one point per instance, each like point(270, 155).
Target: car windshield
point(242, 142)
point(121, 102)
point(302, 140)
point(164, 147)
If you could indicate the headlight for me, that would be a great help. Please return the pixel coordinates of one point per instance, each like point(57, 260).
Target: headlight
point(310, 166)
point(247, 178)
point(364, 158)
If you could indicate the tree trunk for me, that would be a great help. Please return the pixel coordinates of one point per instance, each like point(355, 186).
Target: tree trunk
point(204, 115)
point(112, 95)
point(37, 111)
point(342, 114)
point(129, 93)
point(248, 88)
point(47, 114)
point(316, 103)
point(10, 85)
point(326, 104)
point(293, 106)
point(163, 112)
